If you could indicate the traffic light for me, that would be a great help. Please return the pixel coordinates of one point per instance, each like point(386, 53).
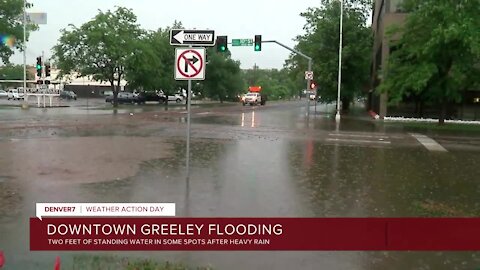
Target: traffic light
point(47, 70)
point(313, 85)
point(39, 66)
point(221, 43)
point(258, 43)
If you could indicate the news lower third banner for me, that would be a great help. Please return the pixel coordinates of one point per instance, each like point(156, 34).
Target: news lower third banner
point(302, 234)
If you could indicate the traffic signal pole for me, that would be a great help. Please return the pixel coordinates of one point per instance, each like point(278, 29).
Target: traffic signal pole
point(309, 66)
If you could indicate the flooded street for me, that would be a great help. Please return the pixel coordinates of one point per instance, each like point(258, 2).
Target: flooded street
point(245, 162)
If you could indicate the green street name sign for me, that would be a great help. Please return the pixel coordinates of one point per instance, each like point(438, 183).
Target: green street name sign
point(242, 42)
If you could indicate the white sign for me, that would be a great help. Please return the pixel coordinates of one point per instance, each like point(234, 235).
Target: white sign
point(192, 37)
point(308, 75)
point(104, 209)
point(190, 64)
point(37, 17)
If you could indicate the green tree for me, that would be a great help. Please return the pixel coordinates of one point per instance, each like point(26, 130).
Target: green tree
point(11, 25)
point(437, 55)
point(276, 84)
point(223, 79)
point(100, 48)
point(321, 43)
point(152, 66)
point(13, 72)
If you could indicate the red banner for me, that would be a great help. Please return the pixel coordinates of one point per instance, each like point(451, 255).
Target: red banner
point(361, 234)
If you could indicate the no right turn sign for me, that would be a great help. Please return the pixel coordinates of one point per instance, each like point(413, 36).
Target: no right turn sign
point(190, 64)
point(308, 75)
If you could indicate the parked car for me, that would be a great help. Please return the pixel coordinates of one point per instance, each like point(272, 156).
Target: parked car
point(15, 94)
point(177, 97)
point(68, 95)
point(108, 93)
point(126, 97)
point(3, 94)
point(153, 96)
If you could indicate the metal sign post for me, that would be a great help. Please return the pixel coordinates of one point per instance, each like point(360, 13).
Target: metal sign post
point(189, 99)
point(308, 86)
point(190, 65)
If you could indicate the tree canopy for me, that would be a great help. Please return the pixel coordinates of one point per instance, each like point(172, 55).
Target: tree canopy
point(151, 68)
point(438, 53)
point(223, 78)
point(100, 48)
point(321, 42)
point(276, 84)
point(11, 27)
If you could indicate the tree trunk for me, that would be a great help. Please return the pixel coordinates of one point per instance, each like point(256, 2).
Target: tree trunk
point(422, 106)
point(417, 108)
point(462, 112)
point(443, 74)
point(443, 112)
point(115, 94)
point(117, 90)
point(345, 104)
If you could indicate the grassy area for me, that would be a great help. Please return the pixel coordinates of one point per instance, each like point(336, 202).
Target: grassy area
point(149, 265)
point(107, 262)
point(423, 126)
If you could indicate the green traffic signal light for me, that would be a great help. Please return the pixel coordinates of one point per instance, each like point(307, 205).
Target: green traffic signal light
point(258, 43)
point(39, 67)
point(221, 43)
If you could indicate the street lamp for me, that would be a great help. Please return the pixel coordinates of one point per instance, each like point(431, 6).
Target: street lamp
point(337, 116)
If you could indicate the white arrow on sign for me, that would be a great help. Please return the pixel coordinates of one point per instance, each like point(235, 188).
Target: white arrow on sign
point(179, 37)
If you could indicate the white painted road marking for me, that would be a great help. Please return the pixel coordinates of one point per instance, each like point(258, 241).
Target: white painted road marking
point(358, 135)
point(428, 142)
point(356, 141)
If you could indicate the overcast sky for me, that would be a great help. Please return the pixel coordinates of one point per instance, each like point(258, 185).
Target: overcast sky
point(277, 20)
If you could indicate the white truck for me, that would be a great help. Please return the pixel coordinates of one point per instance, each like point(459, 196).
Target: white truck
point(254, 98)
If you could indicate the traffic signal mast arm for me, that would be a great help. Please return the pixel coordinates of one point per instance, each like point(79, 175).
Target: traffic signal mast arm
point(310, 60)
point(290, 49)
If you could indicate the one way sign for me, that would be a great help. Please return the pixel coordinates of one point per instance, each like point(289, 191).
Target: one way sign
point(192, 37)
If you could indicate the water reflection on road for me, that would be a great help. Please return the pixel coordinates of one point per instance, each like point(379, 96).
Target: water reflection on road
point(243, 164)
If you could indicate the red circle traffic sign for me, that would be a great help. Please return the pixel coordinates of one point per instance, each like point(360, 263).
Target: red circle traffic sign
point(189, 63)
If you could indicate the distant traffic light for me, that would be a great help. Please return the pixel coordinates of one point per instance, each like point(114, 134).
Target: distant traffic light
point(313, 85)
point(258, 43)
point(39, 66)
point(47, 70)
point(221, 43)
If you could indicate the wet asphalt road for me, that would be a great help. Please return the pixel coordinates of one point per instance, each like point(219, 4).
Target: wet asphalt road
point(246, 161)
